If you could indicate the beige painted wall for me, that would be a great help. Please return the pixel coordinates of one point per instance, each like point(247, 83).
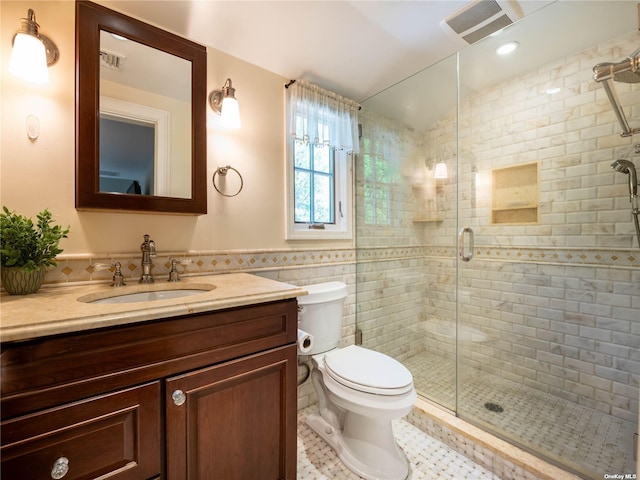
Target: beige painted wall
point(38, 174)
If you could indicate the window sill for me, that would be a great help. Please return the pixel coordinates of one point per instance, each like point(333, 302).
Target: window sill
point(313, 234)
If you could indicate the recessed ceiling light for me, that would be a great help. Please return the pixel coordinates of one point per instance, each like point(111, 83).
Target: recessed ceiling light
point(553, 91)
point(507, 48)
point(119, 37)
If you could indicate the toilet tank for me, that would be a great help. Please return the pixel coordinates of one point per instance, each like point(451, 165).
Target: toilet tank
point(320, 314)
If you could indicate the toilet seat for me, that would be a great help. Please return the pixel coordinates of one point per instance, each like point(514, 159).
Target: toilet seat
point(368, 371)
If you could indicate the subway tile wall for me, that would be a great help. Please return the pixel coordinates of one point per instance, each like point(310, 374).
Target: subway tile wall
point(558, 302)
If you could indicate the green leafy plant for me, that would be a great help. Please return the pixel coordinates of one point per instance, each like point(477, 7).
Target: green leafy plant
point(24, 243)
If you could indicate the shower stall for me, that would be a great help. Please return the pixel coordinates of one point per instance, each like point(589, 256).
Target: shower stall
point(510, 286)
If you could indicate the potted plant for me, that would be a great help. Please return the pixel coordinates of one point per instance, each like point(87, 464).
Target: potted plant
point(26, 248)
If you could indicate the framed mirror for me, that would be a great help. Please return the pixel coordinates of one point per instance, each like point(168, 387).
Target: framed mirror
point(140, 116)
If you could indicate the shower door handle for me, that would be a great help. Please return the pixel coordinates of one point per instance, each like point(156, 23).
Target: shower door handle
point(465, 257)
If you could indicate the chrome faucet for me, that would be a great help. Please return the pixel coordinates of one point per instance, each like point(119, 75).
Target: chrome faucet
point(174, 276)
point(148, 248)
point(118, 278)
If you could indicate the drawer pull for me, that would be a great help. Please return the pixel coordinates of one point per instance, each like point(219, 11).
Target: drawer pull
point(60, 468)
point(178, 397)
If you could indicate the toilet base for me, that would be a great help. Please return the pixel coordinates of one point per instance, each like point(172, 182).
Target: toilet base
point(382, 460)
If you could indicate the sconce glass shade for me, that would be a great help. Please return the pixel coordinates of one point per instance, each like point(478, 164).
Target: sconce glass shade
point(32, 52)
point(224, 103)
point(230, 114)
point(29, 59)
point(441, 170)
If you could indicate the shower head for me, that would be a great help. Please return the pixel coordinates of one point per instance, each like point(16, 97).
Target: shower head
point(626, 71)
point(623, 166)
point(632, 75)
point(627, 167)
point(627, 77)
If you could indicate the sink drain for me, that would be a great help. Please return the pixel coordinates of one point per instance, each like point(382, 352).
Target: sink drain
point(494, 407)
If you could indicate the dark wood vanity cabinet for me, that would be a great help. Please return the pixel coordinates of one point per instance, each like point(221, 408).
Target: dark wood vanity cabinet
point(205, 396)
point(117, 434)
point(238, 407)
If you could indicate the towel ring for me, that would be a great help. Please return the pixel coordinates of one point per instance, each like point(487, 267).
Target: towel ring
point(222, 171)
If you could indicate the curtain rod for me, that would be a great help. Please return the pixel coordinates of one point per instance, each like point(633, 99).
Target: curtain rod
point(291, 82)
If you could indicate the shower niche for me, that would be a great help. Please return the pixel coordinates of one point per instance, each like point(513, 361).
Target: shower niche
point(515, 194)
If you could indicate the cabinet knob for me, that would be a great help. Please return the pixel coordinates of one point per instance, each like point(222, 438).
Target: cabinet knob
point(178, 397)
point(60, 468)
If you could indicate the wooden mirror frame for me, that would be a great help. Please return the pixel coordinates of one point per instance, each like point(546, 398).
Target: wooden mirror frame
point(90, 19)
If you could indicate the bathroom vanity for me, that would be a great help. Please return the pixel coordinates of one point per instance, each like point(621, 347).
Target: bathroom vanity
point(197, 387)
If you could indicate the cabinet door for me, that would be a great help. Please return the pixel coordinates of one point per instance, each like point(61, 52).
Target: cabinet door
point(115, 436)
point(234, 421)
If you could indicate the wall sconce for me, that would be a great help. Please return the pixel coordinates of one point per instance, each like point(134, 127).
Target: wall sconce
point(32, 52)
point(225, 104)
point(440, 171)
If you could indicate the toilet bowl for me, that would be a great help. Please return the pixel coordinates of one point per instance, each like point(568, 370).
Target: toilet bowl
point(360, 391)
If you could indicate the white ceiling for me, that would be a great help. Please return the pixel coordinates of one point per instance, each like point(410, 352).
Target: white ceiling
point(548, 35)
point(355, 48)
point(360, 48)
point(146, 68)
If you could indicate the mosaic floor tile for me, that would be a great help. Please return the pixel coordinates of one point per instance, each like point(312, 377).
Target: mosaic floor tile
point(429, 458)
point(585, 439)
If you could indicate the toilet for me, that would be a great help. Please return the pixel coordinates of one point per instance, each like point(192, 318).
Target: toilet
point(360, 391)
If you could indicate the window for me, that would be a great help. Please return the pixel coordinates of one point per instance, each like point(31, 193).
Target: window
point(319, 192)
point(314, 183)
point(320, 147)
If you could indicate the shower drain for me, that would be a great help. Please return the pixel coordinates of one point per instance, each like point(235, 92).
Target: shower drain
point(494, 407)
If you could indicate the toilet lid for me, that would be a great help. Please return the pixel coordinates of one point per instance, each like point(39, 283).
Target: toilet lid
point(368, 371)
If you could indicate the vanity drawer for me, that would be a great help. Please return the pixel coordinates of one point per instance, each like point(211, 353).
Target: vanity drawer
point(115, 436)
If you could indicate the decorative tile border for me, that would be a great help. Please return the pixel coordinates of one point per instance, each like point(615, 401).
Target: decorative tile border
point(584, 256)
point(80, 268)
point(365, 254)
point(627, 258)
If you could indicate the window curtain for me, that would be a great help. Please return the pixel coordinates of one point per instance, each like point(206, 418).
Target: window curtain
point(321, 117)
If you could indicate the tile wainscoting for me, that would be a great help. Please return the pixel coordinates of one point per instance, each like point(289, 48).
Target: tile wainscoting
point(570, 314)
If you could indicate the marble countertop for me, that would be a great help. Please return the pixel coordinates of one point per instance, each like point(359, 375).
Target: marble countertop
point(56, 310)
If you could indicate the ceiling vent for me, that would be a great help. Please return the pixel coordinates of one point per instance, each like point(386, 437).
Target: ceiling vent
point(481, 18)
point(112, 60)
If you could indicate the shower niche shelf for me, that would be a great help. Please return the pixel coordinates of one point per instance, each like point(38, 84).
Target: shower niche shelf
point(427, 198)
point(515, 195)
point(427, 218)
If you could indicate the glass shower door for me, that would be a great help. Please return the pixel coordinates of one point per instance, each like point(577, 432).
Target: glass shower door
point(547, 331)
point(536, 337)
point(406, 223)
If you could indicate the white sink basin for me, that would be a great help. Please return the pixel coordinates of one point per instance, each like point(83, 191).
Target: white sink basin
point(149, 294)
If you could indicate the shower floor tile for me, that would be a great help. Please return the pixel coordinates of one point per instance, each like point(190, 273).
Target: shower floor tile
point(588, 440)
point(429, 458)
